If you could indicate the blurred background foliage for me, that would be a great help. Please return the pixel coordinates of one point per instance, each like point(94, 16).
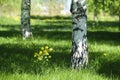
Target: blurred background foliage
point(103, 8)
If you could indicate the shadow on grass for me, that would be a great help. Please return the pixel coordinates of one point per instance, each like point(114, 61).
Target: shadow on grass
point(37, 28)
point(10, 27)
point(105, 36)
point(50, 17)
point(65, 34)
point(110, 68)
point(104, 24)
point(63, 18)
point(90, 23)
point(14, 57)
point(10, 33)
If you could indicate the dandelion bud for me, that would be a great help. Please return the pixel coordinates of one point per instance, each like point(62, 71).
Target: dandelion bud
point(49, 56)
point(42, 48)
point(45, 57)
point(34, 61)
point(36, 54)
point(47, 60)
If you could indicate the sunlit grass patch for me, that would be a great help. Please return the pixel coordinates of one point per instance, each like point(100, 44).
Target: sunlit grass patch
point(9, 19)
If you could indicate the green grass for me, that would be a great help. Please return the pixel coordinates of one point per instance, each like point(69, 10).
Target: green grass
point(58, 74)
point(16, 55)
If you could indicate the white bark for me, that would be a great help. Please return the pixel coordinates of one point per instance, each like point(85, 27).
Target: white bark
point(79, 34)
point(25, 19)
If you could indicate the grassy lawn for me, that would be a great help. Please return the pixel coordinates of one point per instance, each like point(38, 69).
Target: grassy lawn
point(16, 55)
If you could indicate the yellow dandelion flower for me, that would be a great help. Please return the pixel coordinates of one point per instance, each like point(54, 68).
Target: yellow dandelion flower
point(36, 54)
point(46, 47)
point(39, 58)
point(40, 52)
point(51, 49)
point(45, 52)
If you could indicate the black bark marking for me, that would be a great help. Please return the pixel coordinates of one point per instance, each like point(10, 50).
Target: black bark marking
point(82, 45)
point(76, 29)
point(75, 47)
point(74, 23)
point(71, 7)
point(84, 36)
point(80, 9)
point(87, 49)
point(77, 17)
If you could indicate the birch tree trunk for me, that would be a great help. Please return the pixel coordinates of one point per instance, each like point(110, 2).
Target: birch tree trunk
point(25, 19)
point(119, 16)
point(95, 13)
point(79, 58)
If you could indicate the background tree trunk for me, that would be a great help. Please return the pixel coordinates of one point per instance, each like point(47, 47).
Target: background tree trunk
point(95, 13)
point(119, 16)
point(79, 34)
point(25, 19)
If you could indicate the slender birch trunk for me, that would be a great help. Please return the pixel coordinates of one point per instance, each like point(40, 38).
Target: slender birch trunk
point(79, 58)
point(95, 13)
point(25, 19)
point(119, 16)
